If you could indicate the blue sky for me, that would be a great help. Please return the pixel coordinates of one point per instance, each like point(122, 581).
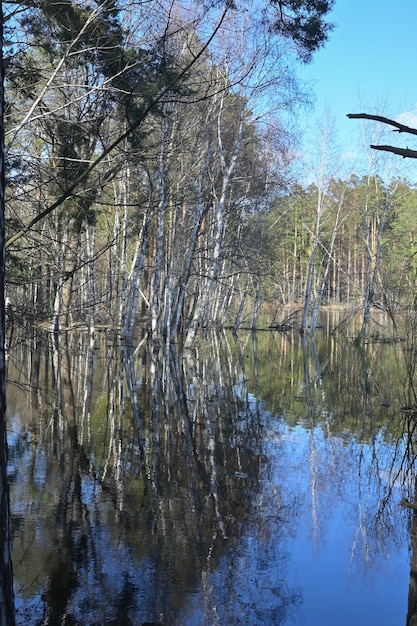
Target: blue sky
point(368, 65)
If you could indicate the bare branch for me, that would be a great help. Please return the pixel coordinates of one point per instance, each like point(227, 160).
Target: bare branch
point(58, 66)
point(399, 128)
point(404, 152)
point(151, 106)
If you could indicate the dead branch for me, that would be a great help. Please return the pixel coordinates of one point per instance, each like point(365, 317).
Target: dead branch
point(404, 152)
point(399, 128)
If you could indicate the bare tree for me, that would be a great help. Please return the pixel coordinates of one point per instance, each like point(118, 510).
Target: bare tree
point(376, 218)
point(321, 254)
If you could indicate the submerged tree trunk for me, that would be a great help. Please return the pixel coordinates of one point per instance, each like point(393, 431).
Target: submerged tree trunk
point(7, 616)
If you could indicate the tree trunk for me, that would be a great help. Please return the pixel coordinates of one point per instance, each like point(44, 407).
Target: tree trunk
point(373, 257)
point(310, 276)
point(324, 277)
point(7, 613)
point(219, 234)
point(200, 213)
point(412, 590)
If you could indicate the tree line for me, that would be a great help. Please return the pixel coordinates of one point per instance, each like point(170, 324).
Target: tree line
point(148, 173)
point(349, 242)
point(144, 151)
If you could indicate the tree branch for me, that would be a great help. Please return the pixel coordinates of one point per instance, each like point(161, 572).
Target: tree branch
point(399, 128)
point(404, 152)
point(72, 188)
point(51, 79)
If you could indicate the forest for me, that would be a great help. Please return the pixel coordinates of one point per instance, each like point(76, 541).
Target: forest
point(152, 174)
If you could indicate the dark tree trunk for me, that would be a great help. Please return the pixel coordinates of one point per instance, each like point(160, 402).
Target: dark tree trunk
point(412, 590)
point(6, 571)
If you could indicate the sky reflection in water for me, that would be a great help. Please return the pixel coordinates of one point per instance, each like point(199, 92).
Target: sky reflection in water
point(319, 560)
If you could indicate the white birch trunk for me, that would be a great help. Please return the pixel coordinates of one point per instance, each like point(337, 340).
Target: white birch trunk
point(135, 274)
point(372, 271)
point(159, 257)
point(311, 283)
point(125, 193)
point(219, 235)
point(243, 296)
point(161, 225)
point(311, 271)
point(56, 326)
point(193, 238)
point(330, 260)
point(91, 280)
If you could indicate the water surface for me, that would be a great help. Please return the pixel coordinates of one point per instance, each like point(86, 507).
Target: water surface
point(256, 480)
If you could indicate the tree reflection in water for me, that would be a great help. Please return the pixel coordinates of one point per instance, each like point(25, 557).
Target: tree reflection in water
point(144, 468)
point(186, 488)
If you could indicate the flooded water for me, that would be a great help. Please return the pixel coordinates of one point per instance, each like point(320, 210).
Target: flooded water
point(256, 481)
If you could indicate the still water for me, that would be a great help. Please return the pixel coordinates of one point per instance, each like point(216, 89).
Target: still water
point(255, 481)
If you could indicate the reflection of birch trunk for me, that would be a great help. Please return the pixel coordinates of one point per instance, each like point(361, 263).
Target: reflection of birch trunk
point(131, 377)
point(157, 461)
point(70, 510)
point(177, 378)
point(256, 373)
point(362, 530)
point(313, 452)
point(57, 369)
point(115, 418)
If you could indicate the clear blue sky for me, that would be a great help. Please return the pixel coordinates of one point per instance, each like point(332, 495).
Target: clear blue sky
point(368, 65)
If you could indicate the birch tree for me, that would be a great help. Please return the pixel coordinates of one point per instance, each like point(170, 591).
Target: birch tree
point(320, 254)
point(227, 169)
point(93, 84)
